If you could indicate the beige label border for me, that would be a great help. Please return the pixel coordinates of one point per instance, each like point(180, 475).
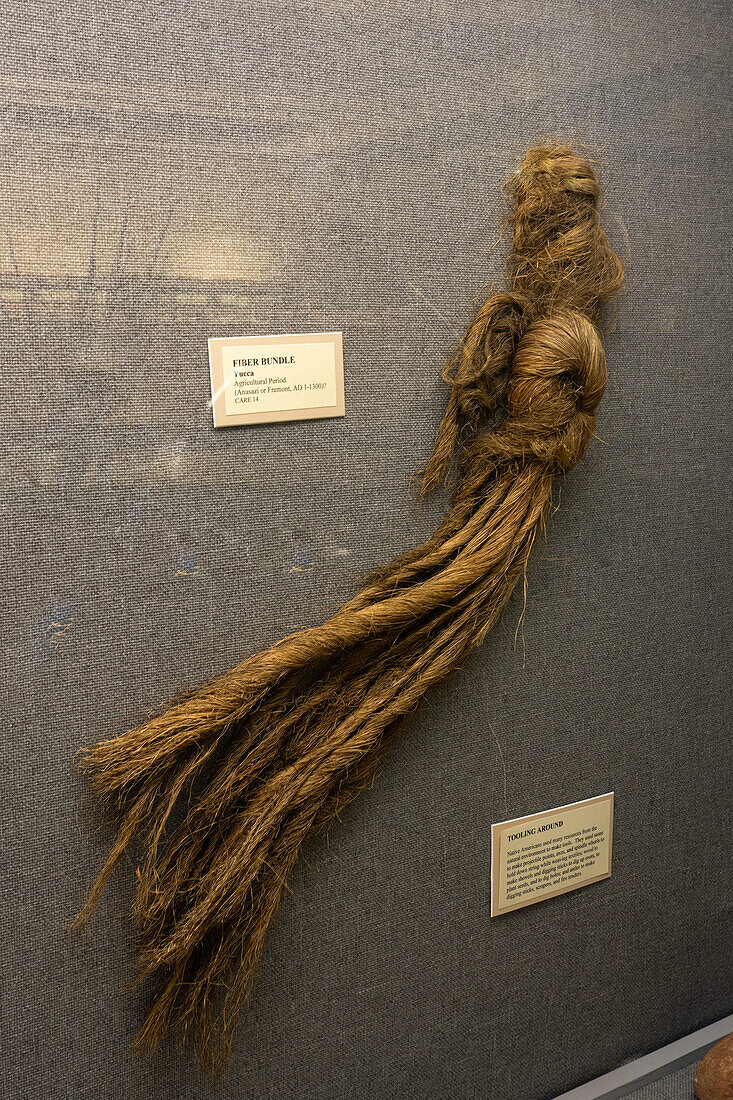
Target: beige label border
point(224, 419)
point(501, 829)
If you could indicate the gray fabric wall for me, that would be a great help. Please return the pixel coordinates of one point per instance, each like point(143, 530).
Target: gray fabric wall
point(186, 170)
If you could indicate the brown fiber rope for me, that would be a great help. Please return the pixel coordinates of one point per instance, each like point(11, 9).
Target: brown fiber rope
point(216, 793)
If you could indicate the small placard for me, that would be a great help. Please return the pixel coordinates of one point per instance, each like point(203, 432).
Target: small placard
point(549, 853)
point(259, 379)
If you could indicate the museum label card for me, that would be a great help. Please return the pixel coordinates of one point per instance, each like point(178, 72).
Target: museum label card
point(549, 853)
point(259, 379)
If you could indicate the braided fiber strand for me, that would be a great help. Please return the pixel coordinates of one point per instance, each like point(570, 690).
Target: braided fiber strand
point(216, 792)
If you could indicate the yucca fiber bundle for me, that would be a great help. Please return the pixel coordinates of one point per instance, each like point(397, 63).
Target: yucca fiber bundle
point(215, 794)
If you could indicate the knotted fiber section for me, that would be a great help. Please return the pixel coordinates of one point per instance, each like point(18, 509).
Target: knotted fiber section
point(215, 794)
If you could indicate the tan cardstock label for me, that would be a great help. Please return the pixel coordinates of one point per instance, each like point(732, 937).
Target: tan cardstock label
point(549, 853)
point(259, 379)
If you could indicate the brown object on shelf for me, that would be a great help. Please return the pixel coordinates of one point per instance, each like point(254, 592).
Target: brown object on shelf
point(714, 1074)
point(216, 794)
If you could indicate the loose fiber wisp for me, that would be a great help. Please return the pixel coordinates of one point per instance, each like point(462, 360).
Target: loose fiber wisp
point(214, 795)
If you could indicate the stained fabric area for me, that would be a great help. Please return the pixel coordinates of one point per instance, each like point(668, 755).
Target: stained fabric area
point(203, 170)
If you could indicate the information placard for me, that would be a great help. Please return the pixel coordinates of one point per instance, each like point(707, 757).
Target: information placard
point(549, 853)
point(256, 379)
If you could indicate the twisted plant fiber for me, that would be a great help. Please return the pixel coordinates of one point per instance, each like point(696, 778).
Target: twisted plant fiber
point(217, 792)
